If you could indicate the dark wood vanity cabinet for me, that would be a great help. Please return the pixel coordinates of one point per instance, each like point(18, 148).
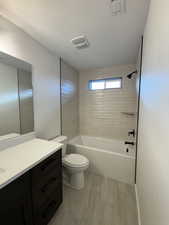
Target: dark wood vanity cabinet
point(47, 188)
point(33, 198)
point(15, 202)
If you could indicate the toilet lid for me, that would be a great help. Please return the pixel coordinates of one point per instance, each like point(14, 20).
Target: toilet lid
point(75, 160)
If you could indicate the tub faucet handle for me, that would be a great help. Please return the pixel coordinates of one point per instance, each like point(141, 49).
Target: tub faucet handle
point(129, 143)
point(132, 132)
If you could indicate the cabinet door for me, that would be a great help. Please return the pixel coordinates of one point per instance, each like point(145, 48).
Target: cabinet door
point(15, 199)
point(16, 214)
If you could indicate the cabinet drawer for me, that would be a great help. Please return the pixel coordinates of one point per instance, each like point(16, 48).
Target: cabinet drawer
point(47, 179)
point(41, 172)
point(44, 214)
point(42, 192)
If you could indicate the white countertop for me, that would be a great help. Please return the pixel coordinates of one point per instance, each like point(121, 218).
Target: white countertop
point(7, 136)
point(15, 161)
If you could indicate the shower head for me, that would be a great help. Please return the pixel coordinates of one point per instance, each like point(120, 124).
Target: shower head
point(130, 75)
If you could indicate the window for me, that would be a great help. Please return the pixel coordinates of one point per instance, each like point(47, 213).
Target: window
point(108, 83)
point(96, 84)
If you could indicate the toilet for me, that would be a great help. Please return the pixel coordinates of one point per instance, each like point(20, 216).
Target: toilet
point(74, 166)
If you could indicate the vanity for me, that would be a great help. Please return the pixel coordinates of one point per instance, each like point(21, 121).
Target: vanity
point(30, 182)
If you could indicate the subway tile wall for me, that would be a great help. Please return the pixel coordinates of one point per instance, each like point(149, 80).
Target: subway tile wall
point(69, 96)
point(100, 112)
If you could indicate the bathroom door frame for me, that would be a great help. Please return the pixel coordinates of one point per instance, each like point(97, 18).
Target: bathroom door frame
point(138, 102)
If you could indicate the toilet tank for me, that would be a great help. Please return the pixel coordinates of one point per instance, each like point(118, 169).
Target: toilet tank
point(63, 140)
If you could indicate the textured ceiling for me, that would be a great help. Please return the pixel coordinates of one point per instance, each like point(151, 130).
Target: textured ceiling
point(113, 39)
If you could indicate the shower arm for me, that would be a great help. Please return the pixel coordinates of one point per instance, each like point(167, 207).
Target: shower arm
point(129, 76)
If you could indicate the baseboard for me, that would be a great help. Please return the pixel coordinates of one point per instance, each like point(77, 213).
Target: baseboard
point(138, 205)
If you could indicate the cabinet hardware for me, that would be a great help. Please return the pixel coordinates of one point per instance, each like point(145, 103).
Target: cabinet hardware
point(51, 181)
point(50, 207)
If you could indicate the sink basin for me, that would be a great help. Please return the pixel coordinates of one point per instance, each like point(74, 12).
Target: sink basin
point(2, 170)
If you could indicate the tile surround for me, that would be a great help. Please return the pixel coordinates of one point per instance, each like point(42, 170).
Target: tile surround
point(97, 113)
point(100, 111)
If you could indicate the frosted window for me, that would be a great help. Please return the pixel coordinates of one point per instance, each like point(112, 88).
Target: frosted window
point(108, 83)
point(113, 83)
point(97, 84)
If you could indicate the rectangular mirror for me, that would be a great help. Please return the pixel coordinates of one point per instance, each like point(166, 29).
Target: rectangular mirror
point(16, 97)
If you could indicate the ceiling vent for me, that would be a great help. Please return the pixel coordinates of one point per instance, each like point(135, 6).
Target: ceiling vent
point(80, 42)
point(117, 7)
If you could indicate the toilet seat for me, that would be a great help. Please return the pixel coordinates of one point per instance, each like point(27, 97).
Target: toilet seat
point(75, 160)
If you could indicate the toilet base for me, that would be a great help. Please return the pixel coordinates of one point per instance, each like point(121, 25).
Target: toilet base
point(77, 180)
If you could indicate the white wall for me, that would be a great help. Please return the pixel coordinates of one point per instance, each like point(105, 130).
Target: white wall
point(153, 149)
point(100, 111)
point(46, 77)
point(9, 101)
point(69, 90)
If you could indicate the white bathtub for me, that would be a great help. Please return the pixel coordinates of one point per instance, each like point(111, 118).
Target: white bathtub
point(107, 157)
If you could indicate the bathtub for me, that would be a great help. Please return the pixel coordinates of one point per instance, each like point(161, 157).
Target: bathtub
point(107, 157)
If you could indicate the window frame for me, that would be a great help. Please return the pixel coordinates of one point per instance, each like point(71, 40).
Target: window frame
point(105, 79)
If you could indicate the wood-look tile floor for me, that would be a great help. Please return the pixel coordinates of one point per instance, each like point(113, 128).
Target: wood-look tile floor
point(102, 202)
